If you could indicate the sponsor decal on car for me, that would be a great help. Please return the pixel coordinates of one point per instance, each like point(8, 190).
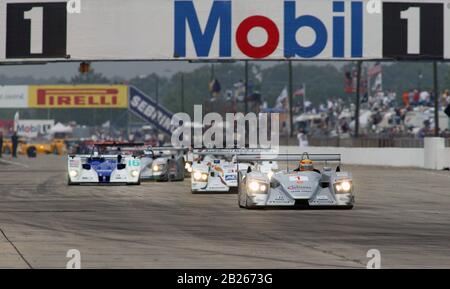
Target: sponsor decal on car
point(295, 188)
point(218, 170)
point(74, 163)
point(299, 189)
point(298, 179)
point(215, 188)
point(230, 177)
point(342, 175)
point(279, 200)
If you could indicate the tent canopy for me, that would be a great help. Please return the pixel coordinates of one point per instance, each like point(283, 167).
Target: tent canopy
point(60, 128)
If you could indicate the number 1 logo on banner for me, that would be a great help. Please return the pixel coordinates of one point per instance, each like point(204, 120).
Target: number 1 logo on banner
point(36, 30)
point(413, 30)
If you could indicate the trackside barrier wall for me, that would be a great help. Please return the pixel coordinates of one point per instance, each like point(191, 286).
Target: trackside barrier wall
point(434, 156)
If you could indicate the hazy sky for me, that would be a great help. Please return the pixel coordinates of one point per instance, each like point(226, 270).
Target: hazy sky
point(110, 69)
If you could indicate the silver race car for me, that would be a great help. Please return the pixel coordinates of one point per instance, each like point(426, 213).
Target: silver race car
point(163, 164)
point(301, 187)
point(216, 170)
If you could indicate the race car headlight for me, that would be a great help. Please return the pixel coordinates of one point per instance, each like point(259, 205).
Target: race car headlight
point(343, 187)
point(257, 187)
point(188, 167)
point(198, 176)
point(73, 173)
point(158, 168)
point(134, 173)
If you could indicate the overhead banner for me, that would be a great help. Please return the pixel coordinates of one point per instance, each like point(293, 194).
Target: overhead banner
point(79, 96)
point(227, 29)
point(14, 96)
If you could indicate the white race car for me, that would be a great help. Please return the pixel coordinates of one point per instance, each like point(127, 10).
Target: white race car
point(216, 170)
point(104, 167)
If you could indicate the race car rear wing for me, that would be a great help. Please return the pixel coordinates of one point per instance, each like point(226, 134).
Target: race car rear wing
point(167, 149)
point(158, 150)
point(233, 152)
point(118, 144)
point(289, 157)
point(83, 157)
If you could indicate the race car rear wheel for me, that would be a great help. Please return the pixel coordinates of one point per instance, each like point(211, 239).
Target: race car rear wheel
point(134, 184)
point(31, 152)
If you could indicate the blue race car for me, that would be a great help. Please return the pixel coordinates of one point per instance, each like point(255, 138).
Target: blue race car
point(107, 164)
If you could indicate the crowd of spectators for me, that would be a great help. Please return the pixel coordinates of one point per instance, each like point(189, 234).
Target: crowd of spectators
point(383, 114)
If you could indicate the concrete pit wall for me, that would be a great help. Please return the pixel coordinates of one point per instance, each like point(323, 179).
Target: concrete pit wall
point(433, 156)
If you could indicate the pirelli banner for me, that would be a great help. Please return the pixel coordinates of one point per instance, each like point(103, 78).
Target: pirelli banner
point(79, 96)
point(76, 30)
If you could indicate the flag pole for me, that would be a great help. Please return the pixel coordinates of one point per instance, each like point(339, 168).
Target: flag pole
point(290, 101)
point(358, 98)
point(304, 97)
point(369, 85)
point(436, 98)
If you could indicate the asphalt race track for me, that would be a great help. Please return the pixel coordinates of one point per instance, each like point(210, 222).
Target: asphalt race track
point(404, 213)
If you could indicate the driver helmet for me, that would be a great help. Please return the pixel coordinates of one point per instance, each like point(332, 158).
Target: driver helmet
point(306, 165)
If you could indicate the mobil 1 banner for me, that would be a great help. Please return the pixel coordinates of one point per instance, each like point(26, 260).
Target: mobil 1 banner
point(33, 30)
point(414, 30)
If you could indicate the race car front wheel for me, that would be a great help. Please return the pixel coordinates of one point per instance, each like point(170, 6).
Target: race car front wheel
point(239, 201)
point(134, 184)
point(69, 183)
point(233, 190)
